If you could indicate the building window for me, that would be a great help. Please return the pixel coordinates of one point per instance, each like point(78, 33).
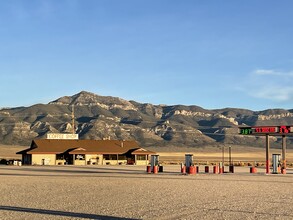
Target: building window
point(59, 156)
point(110, 156)
point(141, 157)
point(121, 157)
point(79, 157)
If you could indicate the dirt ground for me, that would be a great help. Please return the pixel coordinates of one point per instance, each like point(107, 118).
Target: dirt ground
point(128, 192)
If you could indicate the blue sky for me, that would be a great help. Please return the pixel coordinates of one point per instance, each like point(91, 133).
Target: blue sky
point(214, 54)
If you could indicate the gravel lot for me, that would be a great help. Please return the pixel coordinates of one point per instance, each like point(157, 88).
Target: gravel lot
point(128, 192)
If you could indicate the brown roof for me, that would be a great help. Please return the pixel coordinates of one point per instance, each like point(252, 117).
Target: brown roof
point(53, 146)
point(142, 151)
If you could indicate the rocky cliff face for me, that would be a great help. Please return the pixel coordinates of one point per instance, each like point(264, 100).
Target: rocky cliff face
point(100, 117)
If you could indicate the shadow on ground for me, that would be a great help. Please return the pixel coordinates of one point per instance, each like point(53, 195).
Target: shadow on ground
point(60, 213)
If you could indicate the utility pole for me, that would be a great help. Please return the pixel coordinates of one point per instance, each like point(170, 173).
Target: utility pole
point(230, 156)
point(223, 155)
point(73, 121)
point(231, 166)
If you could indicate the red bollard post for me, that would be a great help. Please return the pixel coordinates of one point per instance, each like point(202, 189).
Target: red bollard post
point(216, 169)
point(283, 171)
point(183, 170)
point(192, 170)
point(155, 171)
point(149, 169)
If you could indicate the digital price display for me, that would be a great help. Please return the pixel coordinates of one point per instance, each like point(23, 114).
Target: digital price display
point(285, 129)
point(265, 130)
point(245, 131)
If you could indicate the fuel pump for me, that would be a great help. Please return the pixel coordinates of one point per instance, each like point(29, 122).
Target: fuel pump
point(188, 161)
point(276, 163)
point(154, 163)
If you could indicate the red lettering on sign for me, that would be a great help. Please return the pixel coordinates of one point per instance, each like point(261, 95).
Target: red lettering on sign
point(265, 130)
point(284, 129)
point(271, 130)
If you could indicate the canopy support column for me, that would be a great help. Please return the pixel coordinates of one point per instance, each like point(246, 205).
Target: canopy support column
point(284, 165)
point(267, 154)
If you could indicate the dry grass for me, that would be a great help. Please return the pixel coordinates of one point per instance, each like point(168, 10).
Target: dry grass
point(9, 151)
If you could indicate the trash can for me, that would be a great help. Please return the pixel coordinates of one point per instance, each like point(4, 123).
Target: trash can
point(253, 170)
point(231, 169)
point(160, 169)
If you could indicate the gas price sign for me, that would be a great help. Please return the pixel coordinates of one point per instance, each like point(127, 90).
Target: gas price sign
point(266, 130)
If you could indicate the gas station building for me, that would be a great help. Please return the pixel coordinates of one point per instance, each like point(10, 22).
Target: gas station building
point(84, 152)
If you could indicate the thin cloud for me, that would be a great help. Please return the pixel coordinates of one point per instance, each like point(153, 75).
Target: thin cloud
point(269, 84)
point(267, 72)
point(279, 94)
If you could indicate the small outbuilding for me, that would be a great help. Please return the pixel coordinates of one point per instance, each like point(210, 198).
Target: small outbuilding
point(84, 152)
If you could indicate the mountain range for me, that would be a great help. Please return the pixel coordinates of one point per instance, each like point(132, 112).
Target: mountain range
point(106, 117)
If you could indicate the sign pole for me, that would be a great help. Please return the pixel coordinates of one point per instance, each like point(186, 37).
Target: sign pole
point(267, 154)
point(284, 165)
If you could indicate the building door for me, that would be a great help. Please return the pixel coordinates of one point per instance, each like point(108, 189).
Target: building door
point(130, 159)
point(68, 159)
